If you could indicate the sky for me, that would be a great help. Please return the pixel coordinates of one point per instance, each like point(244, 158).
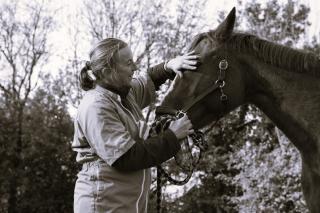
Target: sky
point(61, 39)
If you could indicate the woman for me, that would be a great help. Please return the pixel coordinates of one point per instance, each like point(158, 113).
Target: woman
point(111, 136)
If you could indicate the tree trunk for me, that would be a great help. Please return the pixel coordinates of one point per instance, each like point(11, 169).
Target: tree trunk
point(16, 165)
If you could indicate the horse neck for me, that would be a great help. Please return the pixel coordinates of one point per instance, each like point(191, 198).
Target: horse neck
point(290, 99)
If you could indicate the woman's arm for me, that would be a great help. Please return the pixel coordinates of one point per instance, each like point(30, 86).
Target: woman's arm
point(150, 152)
point(159, 74)
point(157, 149)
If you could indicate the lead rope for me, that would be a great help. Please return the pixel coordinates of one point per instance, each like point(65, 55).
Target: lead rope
point(157, 128)
point(158, 190)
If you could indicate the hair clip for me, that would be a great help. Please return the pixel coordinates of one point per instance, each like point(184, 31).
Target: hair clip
point(91, 75)
point(88, 65)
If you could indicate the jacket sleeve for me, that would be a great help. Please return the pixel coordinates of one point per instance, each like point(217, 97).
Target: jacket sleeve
point(145, 85)
point(150, 152)
point(159, 75)
point(105, 132)
point(143, 90)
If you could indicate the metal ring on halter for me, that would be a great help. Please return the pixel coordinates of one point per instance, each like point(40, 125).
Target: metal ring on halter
point(180, 114)
point(223, 64)
point(221, 83)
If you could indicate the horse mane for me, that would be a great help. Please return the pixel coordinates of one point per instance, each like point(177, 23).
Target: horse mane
point(275, 54)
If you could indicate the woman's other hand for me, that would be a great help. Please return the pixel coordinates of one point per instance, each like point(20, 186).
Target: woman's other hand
point(187, 61)
point(181, 127)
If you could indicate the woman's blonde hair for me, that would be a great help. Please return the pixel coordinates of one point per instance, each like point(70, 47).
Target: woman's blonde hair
point(101, 57)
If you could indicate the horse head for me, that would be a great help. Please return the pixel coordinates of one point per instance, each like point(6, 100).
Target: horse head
point(212, 48)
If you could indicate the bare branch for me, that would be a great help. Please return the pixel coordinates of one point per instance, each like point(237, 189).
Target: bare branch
point(145, 52)
point(23, 44)
point(241, 126)
point(210, 128)
point(5, 90)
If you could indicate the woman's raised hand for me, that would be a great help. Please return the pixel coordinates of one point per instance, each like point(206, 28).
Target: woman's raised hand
point(187, 61)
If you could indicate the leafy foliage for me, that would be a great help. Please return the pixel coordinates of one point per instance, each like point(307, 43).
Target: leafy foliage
point(47, 171)
point(284, 23)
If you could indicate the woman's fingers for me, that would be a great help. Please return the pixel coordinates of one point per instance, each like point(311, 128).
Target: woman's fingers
point(191, 131)
point(187, 121)
point(188, 67)
point(191, 52)
point(190, 62)
point(192, 57)
point(179, 73)
point(189, 127)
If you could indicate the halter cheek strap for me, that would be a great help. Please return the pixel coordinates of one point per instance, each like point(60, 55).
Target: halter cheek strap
point(223, 66)
point(219, 83)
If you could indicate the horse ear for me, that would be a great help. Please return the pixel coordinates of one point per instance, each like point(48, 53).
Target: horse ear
point(224, 30)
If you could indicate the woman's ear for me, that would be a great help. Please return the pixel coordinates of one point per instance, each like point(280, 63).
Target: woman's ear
point(109, 73)
point(101, 73)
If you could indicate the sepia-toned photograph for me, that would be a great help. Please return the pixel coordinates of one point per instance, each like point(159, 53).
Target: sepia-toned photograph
point(159, 106)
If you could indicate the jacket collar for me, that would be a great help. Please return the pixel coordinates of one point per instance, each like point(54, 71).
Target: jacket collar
point(108, 92)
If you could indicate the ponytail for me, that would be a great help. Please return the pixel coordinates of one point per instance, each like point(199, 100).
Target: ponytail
point(86, 81)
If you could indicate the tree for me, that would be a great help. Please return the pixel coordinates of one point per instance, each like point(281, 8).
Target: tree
point(283, 23)
point(23, 47)
point(49, 168)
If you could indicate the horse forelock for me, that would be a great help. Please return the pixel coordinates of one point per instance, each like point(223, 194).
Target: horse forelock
point(182, 89)
point(275, 54)
point(196, 41)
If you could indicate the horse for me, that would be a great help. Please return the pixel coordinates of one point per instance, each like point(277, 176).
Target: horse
point(237, 68)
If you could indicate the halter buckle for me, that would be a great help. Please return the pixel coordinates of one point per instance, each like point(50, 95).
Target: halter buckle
point(180, 114)
point(223, 97)
point(223, 64)
point(221, 83)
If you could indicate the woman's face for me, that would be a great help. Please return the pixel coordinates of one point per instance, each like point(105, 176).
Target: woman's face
point(124, 67)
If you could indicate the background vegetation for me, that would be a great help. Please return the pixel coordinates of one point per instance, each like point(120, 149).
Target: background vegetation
point(250, 165)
